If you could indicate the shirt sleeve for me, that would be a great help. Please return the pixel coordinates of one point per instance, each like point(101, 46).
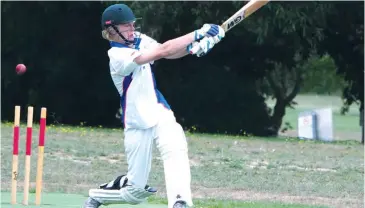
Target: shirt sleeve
point(149, 43)
point(122, 61)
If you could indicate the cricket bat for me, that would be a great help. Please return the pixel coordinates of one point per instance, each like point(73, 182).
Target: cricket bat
point(248, 9)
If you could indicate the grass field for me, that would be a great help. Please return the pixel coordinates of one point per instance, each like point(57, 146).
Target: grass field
point(227, 171)
point(59, 200)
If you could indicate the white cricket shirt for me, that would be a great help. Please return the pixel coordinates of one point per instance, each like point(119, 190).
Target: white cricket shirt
point(142, 104)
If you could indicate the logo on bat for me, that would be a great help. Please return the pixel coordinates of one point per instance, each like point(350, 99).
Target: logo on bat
point(235, 21)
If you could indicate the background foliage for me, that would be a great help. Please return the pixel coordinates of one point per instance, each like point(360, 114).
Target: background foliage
point(283, 49)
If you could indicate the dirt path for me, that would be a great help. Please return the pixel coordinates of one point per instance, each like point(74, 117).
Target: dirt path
point(338, 135)
point(246, 195)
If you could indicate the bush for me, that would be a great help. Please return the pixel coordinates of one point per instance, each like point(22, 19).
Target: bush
point(320, 76)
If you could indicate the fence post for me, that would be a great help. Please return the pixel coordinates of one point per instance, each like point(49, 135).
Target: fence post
point(362, 124)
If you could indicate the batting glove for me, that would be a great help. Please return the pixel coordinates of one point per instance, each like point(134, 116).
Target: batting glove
point(202, 47)
point(199, 51)
point(209, 30)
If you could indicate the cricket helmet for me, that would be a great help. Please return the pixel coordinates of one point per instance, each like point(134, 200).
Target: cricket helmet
point(118, 14)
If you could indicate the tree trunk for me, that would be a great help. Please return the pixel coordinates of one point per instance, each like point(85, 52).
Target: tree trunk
point(283, 98)
point(277, 117)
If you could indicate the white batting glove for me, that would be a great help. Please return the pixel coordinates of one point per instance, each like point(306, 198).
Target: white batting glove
point(192, 45)
point(195, 44)
point(209, 30)
point(202, 47)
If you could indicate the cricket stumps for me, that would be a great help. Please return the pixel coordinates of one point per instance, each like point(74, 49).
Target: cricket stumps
point(28, 153)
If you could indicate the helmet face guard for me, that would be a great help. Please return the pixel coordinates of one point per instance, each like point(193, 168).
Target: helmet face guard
point(137, 33)
point(119, 14)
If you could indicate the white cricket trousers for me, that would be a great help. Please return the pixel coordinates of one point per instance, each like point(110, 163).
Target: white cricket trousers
point(172, 145)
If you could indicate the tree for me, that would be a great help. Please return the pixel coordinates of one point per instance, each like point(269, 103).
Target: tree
point(344, 42)
point(68, 70)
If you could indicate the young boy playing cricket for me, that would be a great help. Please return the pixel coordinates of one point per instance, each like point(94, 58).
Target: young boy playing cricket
point(146, 115)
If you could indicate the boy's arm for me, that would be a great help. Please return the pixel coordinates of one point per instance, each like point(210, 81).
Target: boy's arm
point(179, 54)
point(152, 43)
point(173, 48)
point(126, 61)
point(168, 48)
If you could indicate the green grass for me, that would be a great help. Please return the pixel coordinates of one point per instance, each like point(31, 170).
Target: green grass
point(223, 167)
point(235, 171)
point(57, 200)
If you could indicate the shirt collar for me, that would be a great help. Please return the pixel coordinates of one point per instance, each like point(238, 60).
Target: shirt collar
point(121, 45)
point(118, 45)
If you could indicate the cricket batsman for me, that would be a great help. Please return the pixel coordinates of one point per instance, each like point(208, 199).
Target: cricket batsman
point(146, 115)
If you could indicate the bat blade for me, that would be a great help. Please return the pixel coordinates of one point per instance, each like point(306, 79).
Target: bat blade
point(249, 8)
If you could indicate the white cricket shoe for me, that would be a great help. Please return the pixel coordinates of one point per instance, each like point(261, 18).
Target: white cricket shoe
point(180, 204)
point(91, 203)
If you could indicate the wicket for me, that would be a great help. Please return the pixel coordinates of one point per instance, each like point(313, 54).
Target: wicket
point(16, 129)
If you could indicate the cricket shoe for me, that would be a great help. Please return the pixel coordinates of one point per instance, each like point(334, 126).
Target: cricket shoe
point(91, 203)
point(180, 204)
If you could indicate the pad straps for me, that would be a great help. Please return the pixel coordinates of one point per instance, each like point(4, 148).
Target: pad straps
point(115, 184)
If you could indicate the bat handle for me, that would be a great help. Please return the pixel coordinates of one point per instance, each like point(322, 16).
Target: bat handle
point(194, 49)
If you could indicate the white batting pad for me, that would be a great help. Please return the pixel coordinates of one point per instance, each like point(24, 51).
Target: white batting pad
point(126, 195)
point(173, 148)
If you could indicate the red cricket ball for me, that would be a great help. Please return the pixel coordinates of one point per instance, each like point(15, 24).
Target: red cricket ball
point(20, 69)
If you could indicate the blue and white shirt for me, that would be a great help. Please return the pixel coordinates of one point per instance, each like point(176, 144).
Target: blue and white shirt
point(142, 104)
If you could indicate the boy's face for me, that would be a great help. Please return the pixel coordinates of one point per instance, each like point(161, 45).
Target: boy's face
point(127, 30)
